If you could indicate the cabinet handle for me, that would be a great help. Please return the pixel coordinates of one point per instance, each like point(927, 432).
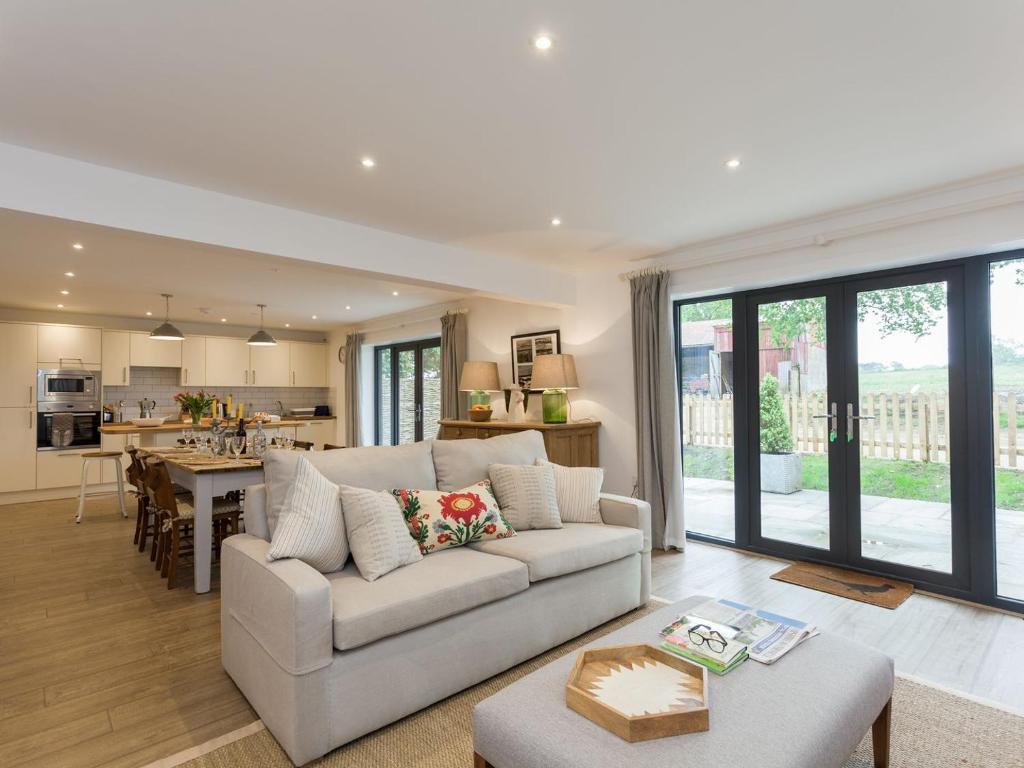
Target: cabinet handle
point(124, 374)
point(185, 373)
point(293, 378)
point(30, 393)
point(30, 419)
point(253, 375)
point(247, 377)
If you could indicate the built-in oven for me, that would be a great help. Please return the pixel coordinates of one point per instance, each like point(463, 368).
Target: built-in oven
point(67, 385)
point(65, 425)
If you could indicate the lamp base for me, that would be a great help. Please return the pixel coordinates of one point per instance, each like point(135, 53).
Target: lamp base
point(479, 397)
point(555, 405)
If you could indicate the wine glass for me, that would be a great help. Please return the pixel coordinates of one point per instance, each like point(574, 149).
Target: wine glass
point(237, 445)
point(187, 435)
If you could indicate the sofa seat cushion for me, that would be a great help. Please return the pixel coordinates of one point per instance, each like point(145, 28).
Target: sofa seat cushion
point(446, 583)
point(573, 547)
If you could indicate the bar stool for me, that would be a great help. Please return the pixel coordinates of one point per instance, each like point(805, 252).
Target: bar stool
point(100, 456)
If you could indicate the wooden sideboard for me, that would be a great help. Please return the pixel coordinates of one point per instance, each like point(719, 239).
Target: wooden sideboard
point(571, 445)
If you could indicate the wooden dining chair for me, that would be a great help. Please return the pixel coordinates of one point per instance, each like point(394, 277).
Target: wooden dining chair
point(134, 472)
point(329, 447)
point(302, 445)
point(176, 520)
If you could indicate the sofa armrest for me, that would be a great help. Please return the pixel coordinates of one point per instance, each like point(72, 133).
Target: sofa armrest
point(285, 605)
point(627, 512)
point(255, 511)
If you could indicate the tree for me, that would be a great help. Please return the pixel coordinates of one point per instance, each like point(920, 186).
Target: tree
point(721, 309)
point(775, 434)
point(1006, 351)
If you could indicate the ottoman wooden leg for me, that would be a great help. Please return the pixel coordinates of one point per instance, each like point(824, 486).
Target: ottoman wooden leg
point(479, 762)
point(880, 735)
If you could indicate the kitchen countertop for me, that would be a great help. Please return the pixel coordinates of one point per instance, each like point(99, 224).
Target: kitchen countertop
point(127, 428)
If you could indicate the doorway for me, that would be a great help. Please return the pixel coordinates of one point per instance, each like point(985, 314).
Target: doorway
point(407, 391)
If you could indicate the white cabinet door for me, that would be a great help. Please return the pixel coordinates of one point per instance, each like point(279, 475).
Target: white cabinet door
point(116, 359)
point(18, 366)
point(17, 449)
point(193, 361)
point(318, 433)
point(60, 469)
point(227, 362)
point(309, 364)
point(270, 365)
point(70, 346)
point(153, 353)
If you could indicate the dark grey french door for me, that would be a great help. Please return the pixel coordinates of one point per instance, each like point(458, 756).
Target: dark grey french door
point(407, 391)
point(857, 417)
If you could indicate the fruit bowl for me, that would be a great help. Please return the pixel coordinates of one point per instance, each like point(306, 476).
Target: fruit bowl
point(479, 414)
point(154, 421)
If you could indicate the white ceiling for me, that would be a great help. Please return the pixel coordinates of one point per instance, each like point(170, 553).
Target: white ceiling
point(621, 129)
point(123, 273)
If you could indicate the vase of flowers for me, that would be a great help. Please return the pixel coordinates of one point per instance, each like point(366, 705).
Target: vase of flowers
point(194, 403)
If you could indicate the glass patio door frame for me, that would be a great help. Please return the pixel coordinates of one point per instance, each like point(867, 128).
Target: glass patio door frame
point(416, 347)
point(838, 538)
point(959, 577)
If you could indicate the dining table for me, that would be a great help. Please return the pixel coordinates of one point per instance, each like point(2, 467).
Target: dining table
point(207, 476)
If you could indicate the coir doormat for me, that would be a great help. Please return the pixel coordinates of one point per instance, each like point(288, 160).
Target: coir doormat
point(886, 593)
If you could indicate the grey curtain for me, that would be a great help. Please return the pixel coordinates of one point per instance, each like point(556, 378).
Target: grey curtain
point(454, 340)
point(353, 343)
point(658, 450)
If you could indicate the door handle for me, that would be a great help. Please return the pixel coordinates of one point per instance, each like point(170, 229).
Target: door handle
point(850, 419)
point(833, 422)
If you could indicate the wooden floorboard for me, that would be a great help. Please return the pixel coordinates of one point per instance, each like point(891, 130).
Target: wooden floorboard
point(959, 646)
point(102, 665)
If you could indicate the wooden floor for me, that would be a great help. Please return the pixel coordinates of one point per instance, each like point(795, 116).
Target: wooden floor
point(101, 665)
point(951, 644)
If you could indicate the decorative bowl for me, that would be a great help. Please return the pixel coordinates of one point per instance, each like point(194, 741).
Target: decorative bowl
point(480, 414)
point(639, 692)
point(153, 421)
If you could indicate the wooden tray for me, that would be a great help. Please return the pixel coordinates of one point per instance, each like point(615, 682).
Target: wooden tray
point(639, 692)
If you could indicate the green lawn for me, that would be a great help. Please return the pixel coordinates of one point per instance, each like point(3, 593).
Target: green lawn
point(879, 477)
point(1006, 376)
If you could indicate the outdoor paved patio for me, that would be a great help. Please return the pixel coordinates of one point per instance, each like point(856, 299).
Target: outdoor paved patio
point(905, 531)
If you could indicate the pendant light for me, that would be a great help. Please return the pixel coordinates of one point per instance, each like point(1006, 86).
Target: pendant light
point(261, 338)
point(165, 331)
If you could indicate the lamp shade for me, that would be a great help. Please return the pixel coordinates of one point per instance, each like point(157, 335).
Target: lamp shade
point(479, 374)
point(554, 372)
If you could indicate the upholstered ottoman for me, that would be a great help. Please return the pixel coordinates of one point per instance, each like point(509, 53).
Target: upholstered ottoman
point(808, 710)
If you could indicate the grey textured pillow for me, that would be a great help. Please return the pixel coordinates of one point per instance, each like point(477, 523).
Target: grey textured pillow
point(526, 495)
point(377, 533)
point(578, 490)
point(461, 463)
point(311, 527)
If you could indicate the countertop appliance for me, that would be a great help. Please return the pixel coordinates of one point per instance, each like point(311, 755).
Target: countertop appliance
point(68, 412)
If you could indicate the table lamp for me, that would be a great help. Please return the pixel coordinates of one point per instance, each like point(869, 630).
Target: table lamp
point(479, 378)
point(554, 374)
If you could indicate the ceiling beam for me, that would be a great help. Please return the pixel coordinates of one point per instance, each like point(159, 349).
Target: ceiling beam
point(38, 182)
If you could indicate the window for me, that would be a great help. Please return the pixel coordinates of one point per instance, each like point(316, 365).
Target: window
point(407, 391)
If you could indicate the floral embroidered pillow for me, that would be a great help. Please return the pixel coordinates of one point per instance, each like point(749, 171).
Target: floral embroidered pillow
point(439, 519)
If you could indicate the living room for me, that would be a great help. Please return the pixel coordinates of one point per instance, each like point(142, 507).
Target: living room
point(377, 378)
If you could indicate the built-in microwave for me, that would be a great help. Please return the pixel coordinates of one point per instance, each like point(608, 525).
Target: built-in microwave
point(67, 385)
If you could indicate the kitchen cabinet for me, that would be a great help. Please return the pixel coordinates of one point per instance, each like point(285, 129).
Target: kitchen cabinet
point(18, 372)
point(308, 364)
point(17, 449)
point(193, 362)
point(60, 469)
point(116, 359)
point(270, 365)
point(69, 346)
point(318, 432)
point(154, 353)
point(227, 362)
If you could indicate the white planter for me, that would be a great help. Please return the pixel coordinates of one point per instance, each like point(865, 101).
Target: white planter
point(781, 472)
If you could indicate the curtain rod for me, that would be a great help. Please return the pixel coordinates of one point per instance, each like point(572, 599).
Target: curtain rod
point(404, 321)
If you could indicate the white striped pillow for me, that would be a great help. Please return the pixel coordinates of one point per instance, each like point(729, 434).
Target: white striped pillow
point(377, 532)
point(311, 527)
point(526, 495)
point(578, 490)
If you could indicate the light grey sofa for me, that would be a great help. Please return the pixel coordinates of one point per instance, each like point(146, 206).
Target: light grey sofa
point(325, 659)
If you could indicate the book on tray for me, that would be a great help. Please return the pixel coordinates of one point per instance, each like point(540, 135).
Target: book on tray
point(705, 642)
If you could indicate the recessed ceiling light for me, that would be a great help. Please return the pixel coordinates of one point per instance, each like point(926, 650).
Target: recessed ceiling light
point(347, 307)
point(314, 317)
point(733, 163)
point(556, 222)
point(368, 162)
point(77, 246)
point(149, 314)
point(65, 293)
point(287, 325)
point(69, 274)
point(394, 293)
point(543, 42)
point(60, 306)
point(223, 319)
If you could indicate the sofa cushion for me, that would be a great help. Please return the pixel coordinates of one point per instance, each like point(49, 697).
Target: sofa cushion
point(377, 533)
point(526, 495)
point(459, 463)
point(578, 491)
point(573, 547)
point(379, 468)
point(438, 520)
point(446, 583)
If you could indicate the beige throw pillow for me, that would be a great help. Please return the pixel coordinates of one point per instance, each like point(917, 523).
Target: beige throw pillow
point(377, 534)
point(578, 490)
point(526, 495)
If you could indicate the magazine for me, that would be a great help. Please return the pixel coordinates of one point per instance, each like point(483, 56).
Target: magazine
point(720, 657)
point(768, 636)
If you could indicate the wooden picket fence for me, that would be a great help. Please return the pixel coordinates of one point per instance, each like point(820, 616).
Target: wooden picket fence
point(904, 426)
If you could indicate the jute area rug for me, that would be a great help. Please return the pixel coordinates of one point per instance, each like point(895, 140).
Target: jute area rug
point(932, 728)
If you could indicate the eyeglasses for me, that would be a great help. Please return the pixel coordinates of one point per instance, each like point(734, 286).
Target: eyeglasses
point(709, 637)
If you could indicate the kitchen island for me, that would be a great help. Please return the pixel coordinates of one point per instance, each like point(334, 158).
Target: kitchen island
point(168, 433)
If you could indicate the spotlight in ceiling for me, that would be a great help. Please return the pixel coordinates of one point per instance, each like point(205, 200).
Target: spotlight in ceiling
point(287, 325)
point(368, 162)
point(314, 317)
point(149, 314)
point(394, 293)
point(347, 307)
point(65, 293)
point(60, 306)
point(69, 274)
point(543, 41)
point(223, 319)
point(556, 222)
point(77, 246)
point(733, 163)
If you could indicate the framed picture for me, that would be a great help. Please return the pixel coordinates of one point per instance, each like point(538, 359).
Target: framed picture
point(526, 347)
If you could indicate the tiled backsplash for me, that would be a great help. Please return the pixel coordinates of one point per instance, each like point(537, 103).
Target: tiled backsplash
point(161, 385)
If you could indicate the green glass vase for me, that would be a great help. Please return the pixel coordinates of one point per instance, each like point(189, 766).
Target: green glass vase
point(555, 406)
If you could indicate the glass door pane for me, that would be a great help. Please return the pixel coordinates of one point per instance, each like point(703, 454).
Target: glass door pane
point(385, 388)
point(1007, 286)
point(793, 408)
point(902, 425)
point(706, 384)
point(407, 400)
point(431, 383)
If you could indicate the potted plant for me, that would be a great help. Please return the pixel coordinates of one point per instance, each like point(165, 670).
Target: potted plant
point(780, 466)
point(194, 404)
